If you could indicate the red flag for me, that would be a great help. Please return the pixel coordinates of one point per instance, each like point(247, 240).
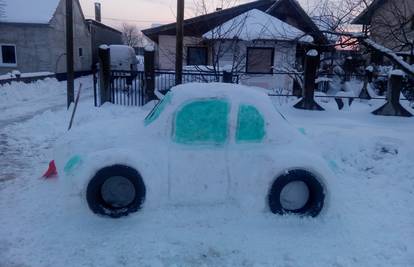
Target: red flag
point(51, 171)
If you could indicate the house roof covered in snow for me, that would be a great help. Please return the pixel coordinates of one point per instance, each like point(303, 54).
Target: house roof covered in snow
point(29, 11)
point(282, 9)
point(366, 15)
point(257, 25)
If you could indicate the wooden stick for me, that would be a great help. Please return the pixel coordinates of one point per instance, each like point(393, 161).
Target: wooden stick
point(76, 105)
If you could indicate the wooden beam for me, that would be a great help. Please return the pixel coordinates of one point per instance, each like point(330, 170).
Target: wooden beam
point(179, 43)
point(69, 53)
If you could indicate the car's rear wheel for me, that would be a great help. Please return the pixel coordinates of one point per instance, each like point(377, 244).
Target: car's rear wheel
point(116, 191)
point(297, 192)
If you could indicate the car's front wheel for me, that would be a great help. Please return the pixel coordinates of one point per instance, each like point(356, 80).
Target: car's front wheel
point(297, 192)
point(116, 191)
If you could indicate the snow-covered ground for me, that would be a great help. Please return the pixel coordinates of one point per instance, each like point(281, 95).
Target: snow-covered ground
point(369, 223)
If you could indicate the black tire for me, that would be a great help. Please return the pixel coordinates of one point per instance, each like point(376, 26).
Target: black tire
point(132, 184)
point(315, 201)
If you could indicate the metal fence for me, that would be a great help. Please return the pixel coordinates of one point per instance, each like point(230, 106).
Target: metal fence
point(165, 80)
point(127, 88)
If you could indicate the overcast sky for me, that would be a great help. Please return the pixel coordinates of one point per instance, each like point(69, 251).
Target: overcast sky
point(143, 13)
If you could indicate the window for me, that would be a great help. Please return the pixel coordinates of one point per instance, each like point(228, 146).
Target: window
point(80, 52)
point(259, 60)
point(202, 122)
point(158, 109)
point(197, 55)
point(8, 55)
point(250, 125)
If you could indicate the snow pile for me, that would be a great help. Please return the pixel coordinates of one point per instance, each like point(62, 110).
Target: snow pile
point(369, 223)
point(257, 25)
point(16, 74)
point(19, 99)
point(23, 11)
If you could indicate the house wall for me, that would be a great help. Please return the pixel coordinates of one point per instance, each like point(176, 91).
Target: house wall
point(102, 35)
point(42, 48)
point(32, 46)
point(165, 53)
point(388, 14)
point(82, 39)
point(284, 59)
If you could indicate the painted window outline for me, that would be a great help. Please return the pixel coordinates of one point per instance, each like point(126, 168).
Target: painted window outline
point(158, 109)
point(1, 56)
point(252, 137)
point(219, 140)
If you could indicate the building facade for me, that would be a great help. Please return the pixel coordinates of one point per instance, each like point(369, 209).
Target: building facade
point(38, 43)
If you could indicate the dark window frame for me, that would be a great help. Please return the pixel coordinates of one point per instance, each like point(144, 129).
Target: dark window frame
point(272, 59)
point(80, 51)
point(197, 47)
point(2, 63)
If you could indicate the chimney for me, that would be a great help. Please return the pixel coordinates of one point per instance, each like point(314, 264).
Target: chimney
point(98, 12)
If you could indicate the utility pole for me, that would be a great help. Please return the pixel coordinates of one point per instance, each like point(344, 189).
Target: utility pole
point(179, 43)
point(69, 52)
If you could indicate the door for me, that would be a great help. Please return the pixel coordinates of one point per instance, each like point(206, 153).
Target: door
point(198, 152)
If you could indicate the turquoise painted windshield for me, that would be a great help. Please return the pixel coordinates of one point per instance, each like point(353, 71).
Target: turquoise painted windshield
point(158, 109)
point(250, 125)
point(202, 122)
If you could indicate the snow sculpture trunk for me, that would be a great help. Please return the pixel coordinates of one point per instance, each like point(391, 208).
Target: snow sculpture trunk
point(393, 106)
point(308, 91)
point(104, 74)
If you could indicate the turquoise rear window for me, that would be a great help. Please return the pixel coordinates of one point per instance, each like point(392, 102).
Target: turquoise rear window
point(250, 125)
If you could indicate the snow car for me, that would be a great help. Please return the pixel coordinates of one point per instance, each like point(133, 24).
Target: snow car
point(201, 144)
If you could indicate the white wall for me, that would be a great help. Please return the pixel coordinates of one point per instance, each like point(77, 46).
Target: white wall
point(284, 59)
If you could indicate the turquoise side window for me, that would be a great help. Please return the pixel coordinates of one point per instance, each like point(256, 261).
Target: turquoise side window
point(250, 125)
point(202, 122)
point(158, 109)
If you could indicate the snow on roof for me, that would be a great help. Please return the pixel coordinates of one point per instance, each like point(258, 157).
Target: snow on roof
point(32, 11)
point(257, 25)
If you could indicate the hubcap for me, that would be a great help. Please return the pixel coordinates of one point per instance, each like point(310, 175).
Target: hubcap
point(294, 195)
point(118, 192)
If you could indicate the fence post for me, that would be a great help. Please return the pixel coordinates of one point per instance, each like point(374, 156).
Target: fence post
point(308, 91)
point(393, 106)
point(104, 74)
point(149, 71)
point(369, 71)
point(227, 77)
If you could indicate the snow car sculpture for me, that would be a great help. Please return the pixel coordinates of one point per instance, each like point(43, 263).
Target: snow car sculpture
point(201, 144)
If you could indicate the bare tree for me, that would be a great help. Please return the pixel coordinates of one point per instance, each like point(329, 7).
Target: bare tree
point(2, 9)
point(394, 26)
point(202, 7)
point(131, 35)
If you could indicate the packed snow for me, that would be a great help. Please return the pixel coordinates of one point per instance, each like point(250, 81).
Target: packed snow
point(257, 25)
point(369, 223)
point(16, 74)
point(23, 11)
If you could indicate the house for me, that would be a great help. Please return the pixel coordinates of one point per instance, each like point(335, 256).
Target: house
point(391, 24)
point(101, 34)
point(32, 37)
point(257, 38)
